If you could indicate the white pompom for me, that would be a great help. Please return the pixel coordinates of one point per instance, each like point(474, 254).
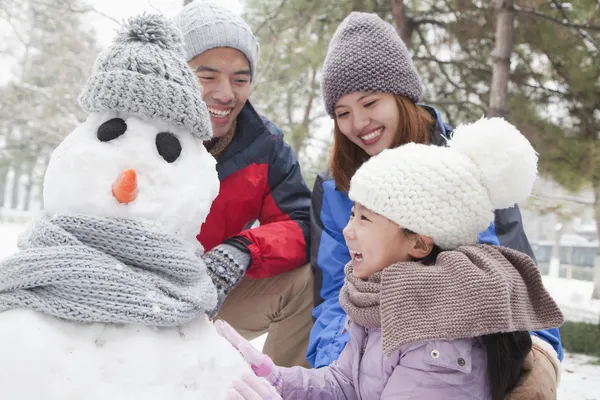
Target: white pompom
point(506, 159)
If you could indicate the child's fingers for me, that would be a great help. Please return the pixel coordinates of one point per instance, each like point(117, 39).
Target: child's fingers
point(248, 392)
point(251, 355)
point(233, 394)
point(261, 387)
point(225, 330)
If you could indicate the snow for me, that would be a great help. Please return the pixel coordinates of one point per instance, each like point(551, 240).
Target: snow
point(574, 299)
point(82, 170)
point(48, 358)
point(580, 376)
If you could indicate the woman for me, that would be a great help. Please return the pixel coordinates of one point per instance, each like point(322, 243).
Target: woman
point(371, 90)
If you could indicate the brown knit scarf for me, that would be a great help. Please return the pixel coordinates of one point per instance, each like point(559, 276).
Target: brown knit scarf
point(217, 148)
point(471, 291)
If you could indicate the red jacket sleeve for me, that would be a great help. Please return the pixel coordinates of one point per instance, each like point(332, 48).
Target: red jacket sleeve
point(281, 242)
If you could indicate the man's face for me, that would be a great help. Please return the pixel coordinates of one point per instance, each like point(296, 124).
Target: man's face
point(224, 74)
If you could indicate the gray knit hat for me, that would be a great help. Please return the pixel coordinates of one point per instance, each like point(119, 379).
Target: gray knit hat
point(367, 55)
point(144, 74)
point(205, 25)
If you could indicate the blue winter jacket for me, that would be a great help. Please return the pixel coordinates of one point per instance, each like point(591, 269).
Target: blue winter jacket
point(330, 212)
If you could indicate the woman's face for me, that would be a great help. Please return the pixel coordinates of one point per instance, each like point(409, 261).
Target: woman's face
point(370, 120)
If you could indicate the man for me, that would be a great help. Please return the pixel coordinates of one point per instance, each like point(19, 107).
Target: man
point(260, 180)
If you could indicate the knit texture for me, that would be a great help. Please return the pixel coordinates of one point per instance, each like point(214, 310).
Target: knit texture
point(472, 291)
point(226, 265)
point(449, 193)
point(205, 25)
point(366, 54)
point(361, 298)
point(143, 73)
point(220, 144)
point(110, 270)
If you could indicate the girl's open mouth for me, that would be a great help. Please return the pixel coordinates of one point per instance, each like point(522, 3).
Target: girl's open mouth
point(356, 256)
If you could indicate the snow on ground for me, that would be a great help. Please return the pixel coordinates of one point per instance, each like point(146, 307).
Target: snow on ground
point(574, 299)
point(581, 374)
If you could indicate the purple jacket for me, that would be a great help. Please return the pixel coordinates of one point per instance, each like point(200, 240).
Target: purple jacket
point(423, 371)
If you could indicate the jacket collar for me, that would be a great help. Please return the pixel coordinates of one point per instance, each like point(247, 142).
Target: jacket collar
point(249, 126)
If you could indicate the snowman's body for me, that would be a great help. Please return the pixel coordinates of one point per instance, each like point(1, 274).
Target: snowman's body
point(45, 358)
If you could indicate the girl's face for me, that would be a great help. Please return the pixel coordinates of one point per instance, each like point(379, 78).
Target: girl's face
point(369, 120)
point(376, 242)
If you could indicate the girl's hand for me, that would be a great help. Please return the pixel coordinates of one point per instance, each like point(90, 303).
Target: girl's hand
point(261, 364)
point(251, 387)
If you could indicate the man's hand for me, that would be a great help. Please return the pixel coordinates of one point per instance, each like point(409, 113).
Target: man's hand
point(541, 374)
point(226, 265)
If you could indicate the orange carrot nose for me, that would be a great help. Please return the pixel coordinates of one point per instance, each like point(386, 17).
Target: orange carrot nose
point(124, 187)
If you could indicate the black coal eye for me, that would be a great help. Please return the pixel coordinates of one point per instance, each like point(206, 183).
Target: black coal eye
point(168, 146)
point(111, 129)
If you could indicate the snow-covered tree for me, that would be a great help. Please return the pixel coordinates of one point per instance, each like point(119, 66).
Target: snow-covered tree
point(54, 55)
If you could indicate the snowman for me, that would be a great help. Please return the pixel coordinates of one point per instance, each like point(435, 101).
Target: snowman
point(107, 297)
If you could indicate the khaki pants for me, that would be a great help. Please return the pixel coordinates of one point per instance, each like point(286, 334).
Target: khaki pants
point(282, 306)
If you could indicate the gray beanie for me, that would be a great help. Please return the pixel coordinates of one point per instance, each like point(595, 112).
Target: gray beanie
point(205, 25)
point(144, 74)
point(367, 55)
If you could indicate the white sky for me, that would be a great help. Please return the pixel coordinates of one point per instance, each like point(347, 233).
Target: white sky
point(104, 24)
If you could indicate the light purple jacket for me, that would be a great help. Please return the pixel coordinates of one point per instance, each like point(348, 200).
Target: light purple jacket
point(424, 371)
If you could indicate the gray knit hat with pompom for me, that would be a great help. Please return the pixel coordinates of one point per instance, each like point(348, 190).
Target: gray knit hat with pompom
point(144, 73)
point(367, 55)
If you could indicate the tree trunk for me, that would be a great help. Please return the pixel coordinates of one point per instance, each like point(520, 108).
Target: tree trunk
point(3, 171)
point(596, 188)
point(505, 34)
point(28, 186)
point(14, 201)
point(404, 25)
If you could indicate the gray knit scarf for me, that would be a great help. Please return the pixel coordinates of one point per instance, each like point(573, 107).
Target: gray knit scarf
point(111, 270)
point(470, 292)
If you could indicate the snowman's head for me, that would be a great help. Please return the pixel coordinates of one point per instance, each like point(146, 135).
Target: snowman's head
point(140, 154)
point(116, 165)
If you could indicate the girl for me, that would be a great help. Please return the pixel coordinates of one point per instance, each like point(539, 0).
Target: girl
point(431, 314)
point(371, 89)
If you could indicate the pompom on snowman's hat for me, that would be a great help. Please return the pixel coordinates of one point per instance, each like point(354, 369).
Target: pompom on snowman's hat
point(450, 193)
point(144, 74)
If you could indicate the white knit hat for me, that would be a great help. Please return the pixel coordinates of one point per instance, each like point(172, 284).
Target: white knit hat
point(450, 193)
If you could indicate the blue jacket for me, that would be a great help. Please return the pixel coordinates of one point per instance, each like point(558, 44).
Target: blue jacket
point(330, 212)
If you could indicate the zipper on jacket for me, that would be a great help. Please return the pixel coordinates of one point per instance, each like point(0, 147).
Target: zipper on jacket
point(365, 341)
point(363, 348)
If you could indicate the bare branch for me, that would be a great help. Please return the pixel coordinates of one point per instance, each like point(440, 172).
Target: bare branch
point(155, 9)
point(564, 22)
point(582, 33)
point(9, 17)
point(429, 21)
point(270, 17)
point(573, 199)
point(68, 6)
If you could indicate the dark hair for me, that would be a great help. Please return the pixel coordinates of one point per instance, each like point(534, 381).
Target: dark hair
point(346, 157)
point(506, 352)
